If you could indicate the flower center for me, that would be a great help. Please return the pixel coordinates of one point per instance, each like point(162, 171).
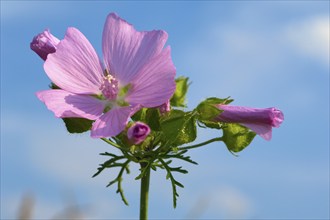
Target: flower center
point(109, 87)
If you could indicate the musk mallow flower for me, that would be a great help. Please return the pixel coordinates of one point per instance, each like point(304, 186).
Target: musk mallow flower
point(138, 72)
point(44, 43)
point(259, 120)
point(138, 132)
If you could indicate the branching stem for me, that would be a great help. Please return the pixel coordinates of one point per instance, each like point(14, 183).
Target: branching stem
point(200, 144)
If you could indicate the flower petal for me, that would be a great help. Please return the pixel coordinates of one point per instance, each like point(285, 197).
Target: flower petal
point(155, 83)
point(75, 66)
point(264, 130)
point(65, 104)
point(111, 123)
point(126, 50)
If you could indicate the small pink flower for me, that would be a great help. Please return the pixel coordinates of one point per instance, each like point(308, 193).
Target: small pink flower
point(44, 44)
point(138, 72)
point(259, 120)
point(166, 107)
point(138, 132)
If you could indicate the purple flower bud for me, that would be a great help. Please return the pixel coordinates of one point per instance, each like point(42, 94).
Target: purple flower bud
point(138, 132)
point(259, 120)
point(166, 107)
point(44, 44)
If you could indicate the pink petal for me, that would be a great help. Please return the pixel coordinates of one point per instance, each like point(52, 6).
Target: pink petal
point(126, 50)
point(75, 66)
point(264, 130)
point(111, 123)
point(154, 84)
point(65, 104)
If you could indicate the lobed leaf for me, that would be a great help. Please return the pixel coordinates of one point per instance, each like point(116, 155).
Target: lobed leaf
point(237, 137)
point(178, 127)
point(179, 97)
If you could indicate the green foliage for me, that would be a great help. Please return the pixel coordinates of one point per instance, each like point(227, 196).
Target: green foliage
point(114, 162)
point(170, 176)
point(77, 125)
point(150, 116)
point(178, 127)
point(237, 137)
point(168, 132)
point(179, 97)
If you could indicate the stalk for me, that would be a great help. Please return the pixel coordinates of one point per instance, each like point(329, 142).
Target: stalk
point(144, 193)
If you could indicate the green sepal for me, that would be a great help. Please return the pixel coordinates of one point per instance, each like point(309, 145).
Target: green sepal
point(179, 97)
point(77, 125)
point(53, 86)
point(237, 137)
point(207, 111)
point(178, 127)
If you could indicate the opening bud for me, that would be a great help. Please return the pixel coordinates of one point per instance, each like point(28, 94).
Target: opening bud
point(44, 44)
point(138, 132)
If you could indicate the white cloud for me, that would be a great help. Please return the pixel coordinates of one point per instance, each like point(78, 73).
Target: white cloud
point(310, 37)
point(226, 202)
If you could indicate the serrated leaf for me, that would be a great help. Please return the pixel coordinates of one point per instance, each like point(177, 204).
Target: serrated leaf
point(179, 97)
point(178, 127)
point(77, 125)
point(237, 137)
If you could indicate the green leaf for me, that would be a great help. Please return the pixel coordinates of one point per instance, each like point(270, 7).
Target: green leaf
point(178, 127)
point(174, 182)
point(237, 137)
point(179, 97)
point(77, 125)
point(152, 118)
point(140, 115)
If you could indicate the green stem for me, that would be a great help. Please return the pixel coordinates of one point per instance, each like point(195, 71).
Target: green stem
point(111, 143)
point(200, 144)
point(145, 180)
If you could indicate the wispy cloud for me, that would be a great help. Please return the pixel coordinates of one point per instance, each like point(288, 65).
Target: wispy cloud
point(226, 202)
point(310, 37)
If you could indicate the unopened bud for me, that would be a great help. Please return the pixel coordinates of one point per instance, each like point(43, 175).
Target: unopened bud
point(138, 132)
point(44, 44)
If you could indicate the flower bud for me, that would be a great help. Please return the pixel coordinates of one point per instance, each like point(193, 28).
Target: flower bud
point(138, 132)
point(259, 120)
point(44, 44)
point(166, 107)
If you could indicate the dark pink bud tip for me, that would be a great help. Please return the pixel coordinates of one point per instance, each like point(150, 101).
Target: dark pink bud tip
point(138, 132)
point(44, 44)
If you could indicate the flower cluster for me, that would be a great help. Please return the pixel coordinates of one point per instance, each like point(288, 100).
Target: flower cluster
point(134, 102)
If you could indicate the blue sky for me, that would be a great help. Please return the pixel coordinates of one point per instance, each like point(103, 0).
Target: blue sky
point(262, 54)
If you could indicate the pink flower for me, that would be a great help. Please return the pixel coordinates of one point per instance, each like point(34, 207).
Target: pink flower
point(44, 44)
point(138, 73)
point(166, 107)
point(259, 120)
point(138, 132)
